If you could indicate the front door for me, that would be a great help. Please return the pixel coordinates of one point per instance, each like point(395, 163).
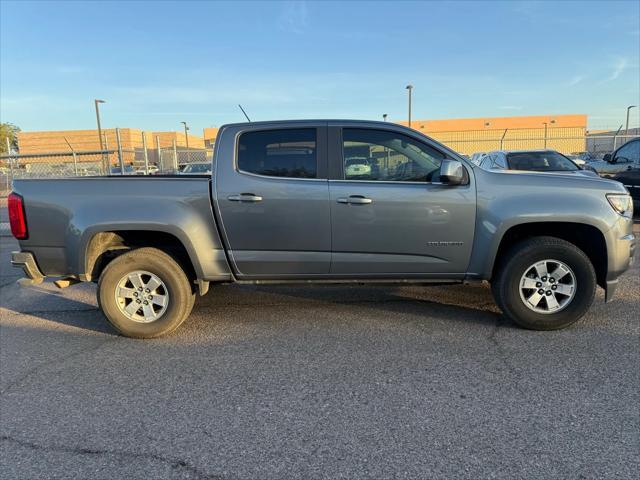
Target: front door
point(389, 214)
point(273, 200)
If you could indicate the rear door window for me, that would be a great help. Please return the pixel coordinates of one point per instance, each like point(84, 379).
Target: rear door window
point(288, 153)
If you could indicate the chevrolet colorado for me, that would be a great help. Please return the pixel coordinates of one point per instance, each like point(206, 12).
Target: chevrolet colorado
point(327, 202)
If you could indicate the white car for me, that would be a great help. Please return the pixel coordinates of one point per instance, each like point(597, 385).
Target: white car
point(357, 167)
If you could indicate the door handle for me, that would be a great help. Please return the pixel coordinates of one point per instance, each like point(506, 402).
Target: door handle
point(355, 200)
point(245, 197)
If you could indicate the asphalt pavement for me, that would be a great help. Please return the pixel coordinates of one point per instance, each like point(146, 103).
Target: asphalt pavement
point(317, 382)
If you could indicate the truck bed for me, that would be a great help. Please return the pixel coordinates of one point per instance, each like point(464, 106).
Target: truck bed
point(64, 214)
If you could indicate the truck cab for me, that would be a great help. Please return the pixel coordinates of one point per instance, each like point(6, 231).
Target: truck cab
point(336, 199)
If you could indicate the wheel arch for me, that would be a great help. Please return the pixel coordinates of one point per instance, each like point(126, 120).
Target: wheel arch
point(102, 246)
point(588, 238)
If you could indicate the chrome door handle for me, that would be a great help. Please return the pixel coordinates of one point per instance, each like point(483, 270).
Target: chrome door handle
point(355, 200)
point(245, 197)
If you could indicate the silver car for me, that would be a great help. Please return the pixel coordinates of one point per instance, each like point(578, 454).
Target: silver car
point(530, 160)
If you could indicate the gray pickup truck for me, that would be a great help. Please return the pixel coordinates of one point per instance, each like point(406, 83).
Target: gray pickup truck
point(326, 202)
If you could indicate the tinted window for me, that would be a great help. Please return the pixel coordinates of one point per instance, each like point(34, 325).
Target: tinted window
point(388, 156)
point(630, 151)
point(540, 162)
point(279, 153)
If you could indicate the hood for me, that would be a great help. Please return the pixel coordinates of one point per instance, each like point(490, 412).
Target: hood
point(563, 180)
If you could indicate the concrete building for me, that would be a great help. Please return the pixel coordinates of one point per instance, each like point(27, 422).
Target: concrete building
point(565, 133)
point(88, 140)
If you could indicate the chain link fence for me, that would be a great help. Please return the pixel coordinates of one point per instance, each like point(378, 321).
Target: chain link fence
point(152, 156)
point(566, 140)
point(127, 158)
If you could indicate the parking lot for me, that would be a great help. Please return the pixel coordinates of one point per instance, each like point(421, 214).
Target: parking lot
point(317, 382)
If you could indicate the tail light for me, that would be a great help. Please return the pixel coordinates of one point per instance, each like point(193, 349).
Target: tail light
point(17, 218)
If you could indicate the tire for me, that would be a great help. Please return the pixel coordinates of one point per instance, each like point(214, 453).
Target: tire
point(170, 301)
point(543, 251)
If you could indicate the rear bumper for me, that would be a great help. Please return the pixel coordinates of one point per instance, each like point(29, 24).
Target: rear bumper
point(27, 262)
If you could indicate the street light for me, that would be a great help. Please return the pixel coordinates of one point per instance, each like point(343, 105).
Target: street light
point(545, 134)
point(96, 102)
point(105, 157)
point(384, 117)
point(186, 136)
point(626, 130)
point(410, 88)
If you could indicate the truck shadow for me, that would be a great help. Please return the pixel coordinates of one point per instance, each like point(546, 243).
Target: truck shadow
point(414, 304)
point(454, 303)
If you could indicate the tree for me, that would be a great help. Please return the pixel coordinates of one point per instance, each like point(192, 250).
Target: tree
point(10, 131)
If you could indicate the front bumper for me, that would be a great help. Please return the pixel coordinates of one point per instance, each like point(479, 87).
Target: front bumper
point(27, 262)
point(621, 246)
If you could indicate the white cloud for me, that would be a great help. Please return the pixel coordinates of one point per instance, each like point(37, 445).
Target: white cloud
point(620, 65)
point(294, 17)
point(575, 80)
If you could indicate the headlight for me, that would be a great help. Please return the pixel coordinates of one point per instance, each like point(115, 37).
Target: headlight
point(621, 203)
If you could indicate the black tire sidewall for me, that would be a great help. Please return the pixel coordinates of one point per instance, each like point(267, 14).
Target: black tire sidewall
point(160, 264)
point(522, 260)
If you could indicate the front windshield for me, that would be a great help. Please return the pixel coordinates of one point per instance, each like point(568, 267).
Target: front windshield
point(540, 162)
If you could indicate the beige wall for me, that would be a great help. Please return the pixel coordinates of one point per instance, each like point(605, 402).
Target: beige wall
point(88, 140)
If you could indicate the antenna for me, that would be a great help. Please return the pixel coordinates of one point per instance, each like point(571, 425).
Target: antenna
point(245, 113)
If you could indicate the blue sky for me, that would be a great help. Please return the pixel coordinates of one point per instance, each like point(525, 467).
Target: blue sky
point(159, 63)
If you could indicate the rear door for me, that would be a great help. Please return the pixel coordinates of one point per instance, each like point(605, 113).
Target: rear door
point(390, 216)
point(273, 200)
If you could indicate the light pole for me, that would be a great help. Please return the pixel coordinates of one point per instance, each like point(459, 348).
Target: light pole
point(96, 102)
point(186, 136)
point(626, 130)
point(545, 134)
point(410, 88)
point(384, 117)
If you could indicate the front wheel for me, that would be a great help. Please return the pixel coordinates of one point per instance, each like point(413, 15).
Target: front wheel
point(144, 293)
point(544, 283)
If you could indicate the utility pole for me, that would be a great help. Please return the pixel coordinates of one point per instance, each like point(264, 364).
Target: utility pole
point(545, 134)
point(410, 88)
point(105, 158)
point(626, 130)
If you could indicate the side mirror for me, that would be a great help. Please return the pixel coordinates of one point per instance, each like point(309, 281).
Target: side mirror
point(607, 157)
point(451, 172)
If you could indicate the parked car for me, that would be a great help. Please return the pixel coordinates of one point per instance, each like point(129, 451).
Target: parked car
point(531, 160)
point(283, 206)
point(630, 177)
point(476, 158)
point(622, 159)
point(196, 168)
point(585, 156)
point(128, 170)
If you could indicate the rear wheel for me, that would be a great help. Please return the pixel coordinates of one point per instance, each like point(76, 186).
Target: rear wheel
point(144, 293)
point(544, 283)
